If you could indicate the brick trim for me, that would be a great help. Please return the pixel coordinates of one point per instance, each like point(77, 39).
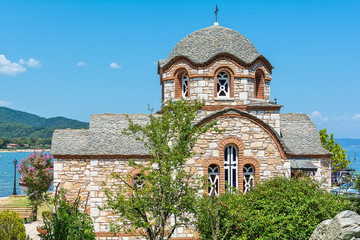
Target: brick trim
point(215, 58)
point(235, 113)
point(231, 72)
point(230, 140)
point(206, 164)
point(211, 75)
point(256, 164)
point(259, 93)
point(178, 74)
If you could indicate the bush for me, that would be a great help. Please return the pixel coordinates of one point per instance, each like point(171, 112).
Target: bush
point(11, 226)
point(277, 209)
point(67, 221)
point(36, 176)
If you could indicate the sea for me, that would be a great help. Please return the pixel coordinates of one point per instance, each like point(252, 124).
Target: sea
point(7, 168)
point(7, 173)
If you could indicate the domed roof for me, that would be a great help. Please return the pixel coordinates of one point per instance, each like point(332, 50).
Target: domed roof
point(200, 46)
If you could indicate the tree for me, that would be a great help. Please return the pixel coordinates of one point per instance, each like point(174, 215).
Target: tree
point(36, 172)
point(338, 160)
point(163, 195)
point(66, 220)
point(278, 208)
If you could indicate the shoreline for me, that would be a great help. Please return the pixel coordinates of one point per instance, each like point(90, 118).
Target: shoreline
point(25, 150)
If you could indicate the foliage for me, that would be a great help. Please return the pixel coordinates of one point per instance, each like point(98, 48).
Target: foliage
point(17, 124)
point(67, 221)
point(170, 188)
point(276, 209)
point(338, 160)
point(36, 176)
point(11, 226)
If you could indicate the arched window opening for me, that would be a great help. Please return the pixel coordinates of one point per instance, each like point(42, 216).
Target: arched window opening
point(231, 166)
point(223, 85)
point(248, 177)
point(185, 86)
point(259, 85)
point(138, 181)
point(213, 176)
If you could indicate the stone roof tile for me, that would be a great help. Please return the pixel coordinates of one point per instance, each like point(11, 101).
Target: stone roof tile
point(300, 135)
point(200, 46)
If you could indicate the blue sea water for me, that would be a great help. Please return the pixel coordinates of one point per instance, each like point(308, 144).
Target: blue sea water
point(7, 172)
point(354, 154)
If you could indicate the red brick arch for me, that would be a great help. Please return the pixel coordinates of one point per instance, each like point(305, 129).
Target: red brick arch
point(230, 70)
point(178, 74)
point(230, 140)
point(206, 164)
point(256, 164)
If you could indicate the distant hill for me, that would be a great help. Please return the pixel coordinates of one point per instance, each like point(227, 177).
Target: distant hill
point(17, 124)
point(348, 142)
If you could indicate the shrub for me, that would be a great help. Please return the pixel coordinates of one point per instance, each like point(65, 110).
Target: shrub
point(11, 226)
point(36, 176)
point(277, 209)
point(67, 221)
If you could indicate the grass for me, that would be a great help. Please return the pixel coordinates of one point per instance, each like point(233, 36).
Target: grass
point(22, 201)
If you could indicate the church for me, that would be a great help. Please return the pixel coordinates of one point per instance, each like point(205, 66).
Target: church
point(223, 68)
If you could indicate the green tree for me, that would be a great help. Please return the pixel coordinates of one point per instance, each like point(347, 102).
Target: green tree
point(11, 226)
point(36, 176)
point(338, 160)
point(279, 208)
point(164, 195)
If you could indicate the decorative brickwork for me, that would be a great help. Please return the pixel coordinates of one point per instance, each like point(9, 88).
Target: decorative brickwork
point(178, 74)
point(259, 83)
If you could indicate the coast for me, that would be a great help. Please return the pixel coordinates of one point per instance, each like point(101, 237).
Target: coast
point(25, 150)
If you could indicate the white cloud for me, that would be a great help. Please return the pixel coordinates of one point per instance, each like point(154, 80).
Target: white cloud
point(356, 116)
point(114, 65)
point(81, 64)
point(316, 115)
point(10, 68)
point(31, 63)
point(3, 103)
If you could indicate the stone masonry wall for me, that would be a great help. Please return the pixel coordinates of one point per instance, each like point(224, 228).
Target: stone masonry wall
point(258, 144)
point(202, 83)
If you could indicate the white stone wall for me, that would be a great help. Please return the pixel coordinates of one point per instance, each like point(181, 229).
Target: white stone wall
point(202, 83)
point(257, 142)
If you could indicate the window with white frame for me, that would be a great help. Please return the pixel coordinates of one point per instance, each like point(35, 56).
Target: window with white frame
point(231, 166)
point(213, 176)
point(223, 85)
point(248, 177)
point(185, 86)
point(138, 181)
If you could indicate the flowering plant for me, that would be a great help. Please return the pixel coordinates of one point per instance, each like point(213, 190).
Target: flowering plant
point(36, 172)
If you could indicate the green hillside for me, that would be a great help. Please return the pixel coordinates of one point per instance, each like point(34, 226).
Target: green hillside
point(17, 124)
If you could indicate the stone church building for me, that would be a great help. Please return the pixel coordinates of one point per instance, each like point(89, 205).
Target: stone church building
point(223, 68)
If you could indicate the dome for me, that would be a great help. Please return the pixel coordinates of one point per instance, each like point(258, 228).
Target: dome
point(200, 46)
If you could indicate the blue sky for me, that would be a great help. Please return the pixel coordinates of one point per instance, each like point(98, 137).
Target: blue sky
point(76, 58)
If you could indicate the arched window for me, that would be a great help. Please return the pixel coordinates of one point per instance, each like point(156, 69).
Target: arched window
point(138, 181)
point(231, 166)
point(248, 176)
point(223, 85)
point(185, 86)
point(213, 176)
point(259, 84)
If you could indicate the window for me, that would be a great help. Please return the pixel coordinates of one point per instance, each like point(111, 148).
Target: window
point(259, 84)
point(138, 181)
point(231, 166)
point(223, 85)
point(213, 175)
point(248, 176)
point(185, 86)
